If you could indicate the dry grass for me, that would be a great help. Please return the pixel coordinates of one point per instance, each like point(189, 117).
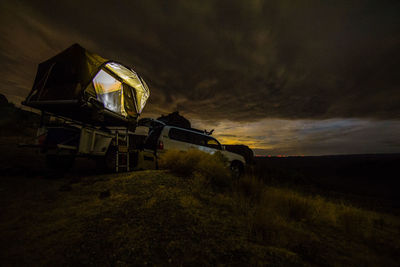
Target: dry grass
point(296, 207)
point(314, 228)
point(211, 170)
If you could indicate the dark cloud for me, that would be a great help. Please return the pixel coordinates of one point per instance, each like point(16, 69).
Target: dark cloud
point(234, 65)
point(237, 60)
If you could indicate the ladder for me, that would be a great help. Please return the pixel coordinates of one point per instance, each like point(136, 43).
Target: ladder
point(122, 149)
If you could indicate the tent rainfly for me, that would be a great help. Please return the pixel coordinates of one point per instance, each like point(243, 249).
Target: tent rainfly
point(85, 87)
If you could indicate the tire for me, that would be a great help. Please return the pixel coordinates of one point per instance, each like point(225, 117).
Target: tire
point(108, 162)
point(236, 169)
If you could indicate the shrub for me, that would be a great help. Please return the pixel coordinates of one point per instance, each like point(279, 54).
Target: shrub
point(196, 164)
point(180, 163)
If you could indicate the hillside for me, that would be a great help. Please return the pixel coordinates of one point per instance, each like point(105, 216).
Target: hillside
point(147, 217)
point(155, 218)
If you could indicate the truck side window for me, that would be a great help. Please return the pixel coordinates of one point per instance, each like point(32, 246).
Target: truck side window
point(180, 135)
point(211, 142)
point(199, 139)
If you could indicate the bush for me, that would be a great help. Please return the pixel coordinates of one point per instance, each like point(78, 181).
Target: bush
point(179, 163)
point(196, 164)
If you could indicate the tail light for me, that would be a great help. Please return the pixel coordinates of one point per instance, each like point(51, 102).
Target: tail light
point(160, 145)
point(41, 136)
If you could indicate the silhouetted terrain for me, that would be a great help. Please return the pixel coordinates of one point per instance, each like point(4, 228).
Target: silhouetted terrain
point(16, 121)
point(161, 217)
point(368, 180)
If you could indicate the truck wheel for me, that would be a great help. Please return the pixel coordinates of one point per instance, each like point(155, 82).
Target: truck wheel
point(60, 162)
point(236, 169)
point(108, 162)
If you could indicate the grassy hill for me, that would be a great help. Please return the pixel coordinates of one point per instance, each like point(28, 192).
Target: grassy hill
point(148, 217)
point(162, 218)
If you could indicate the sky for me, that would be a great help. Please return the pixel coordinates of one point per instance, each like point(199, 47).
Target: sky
point(284, 77)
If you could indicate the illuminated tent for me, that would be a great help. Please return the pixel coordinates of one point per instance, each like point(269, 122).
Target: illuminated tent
point(85, 87)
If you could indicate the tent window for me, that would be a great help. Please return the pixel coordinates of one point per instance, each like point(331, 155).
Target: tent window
point(109, 92)
point(133, 80)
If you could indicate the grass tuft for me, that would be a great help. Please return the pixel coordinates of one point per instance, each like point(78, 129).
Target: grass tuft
point(208, 170)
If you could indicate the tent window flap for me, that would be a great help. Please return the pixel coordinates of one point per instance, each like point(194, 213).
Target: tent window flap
point(132, 79)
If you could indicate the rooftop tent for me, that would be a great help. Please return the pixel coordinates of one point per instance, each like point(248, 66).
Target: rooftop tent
point(69, 83)
point(125, 95)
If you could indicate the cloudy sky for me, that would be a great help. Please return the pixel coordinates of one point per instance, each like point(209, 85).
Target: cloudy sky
point(284, 77)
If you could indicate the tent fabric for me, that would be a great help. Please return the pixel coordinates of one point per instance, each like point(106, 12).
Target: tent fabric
point(66, 83)
point(64, 76)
